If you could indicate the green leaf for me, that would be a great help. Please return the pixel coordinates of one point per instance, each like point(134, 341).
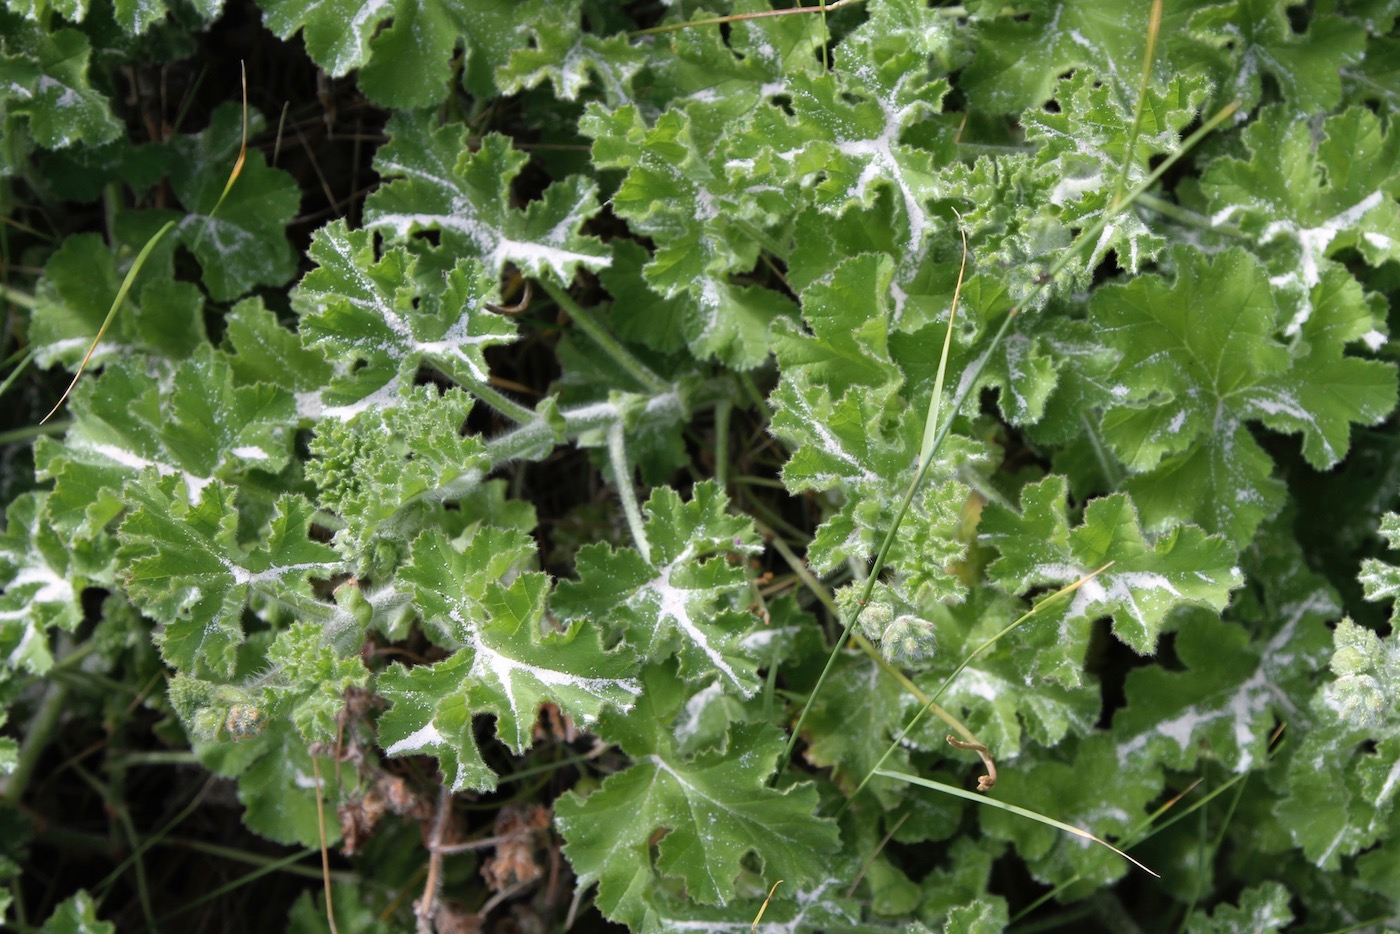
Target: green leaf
point(684, 600)
point(1262, 909)
point(429, 717)
point(75, 295)
point(42, 577)
point(705, 226)
point(44, 78)
point(1304, 197)
point(1054, 784)
point(389, 472)
point(984, 914)
point(380, 311)
point(77, 915)
point(243, 244)
point(1022, 53)
point(569, 58)
point(309, 680)
point(441, 182)
point(195, 423)
point(843, 141)
point(1197, 361)
point(1306, 65)
point(1085, 162)
point(183, 564)
point(1029, 691)
point(1237, 675)
point(821, 906)
point(517, 662)
point(1147, 581)
point(713, 808)
point(277, 784)
point(851, 723)
point(262, 351)
point(1334, 813)
point(846, 341)
point(1380, 580)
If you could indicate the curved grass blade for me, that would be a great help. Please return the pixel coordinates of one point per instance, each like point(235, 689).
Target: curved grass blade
point(112, 312)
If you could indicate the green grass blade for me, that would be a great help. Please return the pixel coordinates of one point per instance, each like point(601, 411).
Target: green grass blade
point(1012, 808)
point(131, 275)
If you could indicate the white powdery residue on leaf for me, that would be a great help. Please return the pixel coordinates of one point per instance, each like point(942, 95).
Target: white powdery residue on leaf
point(1052, 572)
point(672, 606)
point(1122, 589)
point(1250, 700)
point(504, 668)
point(349, 52)
point(52, 587)
point(250, 453)
point(417, 742)
point(49, 354)
point(455, 340)
point(20, 653)
point(1392, 780)
point(819, 897)
point(67, 98)
point(762, 638)
point(880, 152)
point(533, 258)
point(1278, 402)
point(242, 575)
point(133, 461)
point(1070, 189)
point(1374, 339)
point(227, 238)
point(978, 683)
point(1379, 241)
point(1223, 216)
point(688, 723)
point(385, 397)
point(1312, 245)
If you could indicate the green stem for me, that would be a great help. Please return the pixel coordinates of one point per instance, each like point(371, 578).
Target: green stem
point(622, 476)
point(25, 359)
point(496, 399)
point(29, 432)
point(1107, 462)
point(537, 438)
point(236, 884)
point(1186, 216)
point(610, 345)
point(723, 411)
point(41, 731)
point(16, 297)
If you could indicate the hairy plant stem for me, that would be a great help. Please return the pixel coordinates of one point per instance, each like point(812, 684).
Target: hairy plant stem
point(622, 476)
point(496, 399)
